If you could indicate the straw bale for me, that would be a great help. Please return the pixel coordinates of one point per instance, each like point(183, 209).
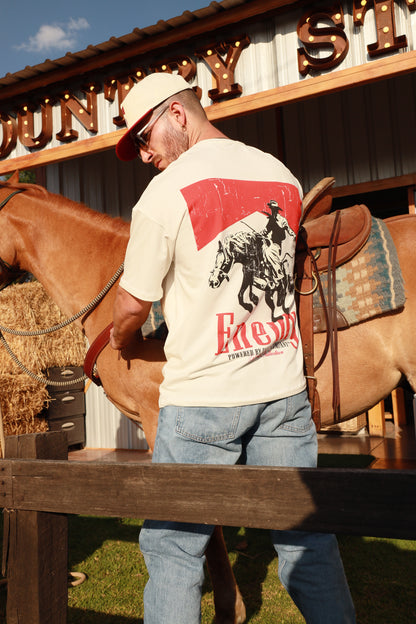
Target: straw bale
point(28, 307)
point(22, 400)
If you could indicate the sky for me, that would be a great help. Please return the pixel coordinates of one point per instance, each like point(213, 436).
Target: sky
point(32, 31)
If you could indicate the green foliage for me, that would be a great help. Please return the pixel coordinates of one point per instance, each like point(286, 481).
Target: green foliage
point(27, 177)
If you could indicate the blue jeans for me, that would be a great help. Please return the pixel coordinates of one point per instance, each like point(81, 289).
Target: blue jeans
point(280, 433)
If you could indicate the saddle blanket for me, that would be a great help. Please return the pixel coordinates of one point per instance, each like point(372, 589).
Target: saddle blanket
point(371, 283)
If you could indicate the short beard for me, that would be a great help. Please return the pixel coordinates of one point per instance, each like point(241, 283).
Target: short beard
point(176, 142)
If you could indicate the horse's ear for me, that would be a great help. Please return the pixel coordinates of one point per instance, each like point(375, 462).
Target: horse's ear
point(14, 178)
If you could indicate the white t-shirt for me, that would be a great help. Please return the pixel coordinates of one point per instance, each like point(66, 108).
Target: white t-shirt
point(213, 236)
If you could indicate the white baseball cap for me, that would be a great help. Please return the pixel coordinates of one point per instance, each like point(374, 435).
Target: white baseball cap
point(142, 99)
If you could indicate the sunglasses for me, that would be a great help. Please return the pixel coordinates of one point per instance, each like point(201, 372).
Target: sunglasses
point(142, 137)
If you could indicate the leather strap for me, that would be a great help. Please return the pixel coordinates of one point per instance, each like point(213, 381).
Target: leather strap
point(332, 315)
point(307, 273)
point(94, 351)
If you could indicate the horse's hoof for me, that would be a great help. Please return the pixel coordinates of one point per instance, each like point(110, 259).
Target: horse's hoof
point(238, 616)
point(240, 611)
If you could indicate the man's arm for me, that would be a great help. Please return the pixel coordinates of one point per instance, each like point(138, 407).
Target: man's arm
point(129, 314)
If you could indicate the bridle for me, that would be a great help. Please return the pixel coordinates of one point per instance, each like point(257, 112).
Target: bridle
point(4, 202)
point(5, 266)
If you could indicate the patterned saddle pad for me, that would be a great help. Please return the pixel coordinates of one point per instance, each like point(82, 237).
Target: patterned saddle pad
point(371, 283)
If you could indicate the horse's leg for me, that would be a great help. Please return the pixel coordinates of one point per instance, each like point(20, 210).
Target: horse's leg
point(245, 284)
point(251, 294)
point(229, 605)
point(270, 302)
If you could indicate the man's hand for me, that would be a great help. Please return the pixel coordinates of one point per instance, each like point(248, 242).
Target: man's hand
point(113, 342)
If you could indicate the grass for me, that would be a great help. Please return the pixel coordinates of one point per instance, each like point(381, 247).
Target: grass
point(381, 574)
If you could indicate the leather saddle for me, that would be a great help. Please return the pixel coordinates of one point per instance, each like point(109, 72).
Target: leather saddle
point(325, 241)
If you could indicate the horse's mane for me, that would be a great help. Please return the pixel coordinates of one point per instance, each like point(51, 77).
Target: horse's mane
point(25, 186)
point(61, 202)
point(239, 241)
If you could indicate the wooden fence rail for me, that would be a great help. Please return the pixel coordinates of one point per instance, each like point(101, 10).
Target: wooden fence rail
point(42, 491)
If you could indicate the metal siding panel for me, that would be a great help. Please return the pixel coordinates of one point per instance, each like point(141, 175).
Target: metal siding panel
point(106, 427)
point(361, 135)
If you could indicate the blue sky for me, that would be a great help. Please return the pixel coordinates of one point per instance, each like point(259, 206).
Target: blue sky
point(34, 30)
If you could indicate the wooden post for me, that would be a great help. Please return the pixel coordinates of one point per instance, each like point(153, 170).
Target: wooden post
point(35, 545)
point(399, 408)
point(376, 420)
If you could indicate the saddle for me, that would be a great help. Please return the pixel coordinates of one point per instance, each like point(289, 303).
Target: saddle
point(325, 241)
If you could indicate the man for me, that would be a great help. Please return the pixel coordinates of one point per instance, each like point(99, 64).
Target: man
point(233, 388)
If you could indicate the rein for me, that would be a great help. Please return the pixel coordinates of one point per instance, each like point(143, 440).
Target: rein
point(4, 202)
point(41, 332)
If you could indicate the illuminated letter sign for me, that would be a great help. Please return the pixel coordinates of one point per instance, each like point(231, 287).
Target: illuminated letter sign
point(223, 71)
point(387, 39)
point(320, 38)
point(70, 105)
point(8, 125)
point(121, 86)
point(25, 125)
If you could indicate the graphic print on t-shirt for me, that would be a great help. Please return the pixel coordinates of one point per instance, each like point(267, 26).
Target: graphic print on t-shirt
point(216, 204)
point(264, 265)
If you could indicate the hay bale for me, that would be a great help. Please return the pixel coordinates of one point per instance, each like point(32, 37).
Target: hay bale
point(22, 400)
point(28, 307)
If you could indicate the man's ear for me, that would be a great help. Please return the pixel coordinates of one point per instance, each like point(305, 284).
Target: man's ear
point(178, 113)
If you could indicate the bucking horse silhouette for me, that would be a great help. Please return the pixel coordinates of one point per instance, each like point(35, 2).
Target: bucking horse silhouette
point(263, 263)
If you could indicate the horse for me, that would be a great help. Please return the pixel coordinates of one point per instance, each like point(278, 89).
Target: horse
point(262, 266)
point(73, 251)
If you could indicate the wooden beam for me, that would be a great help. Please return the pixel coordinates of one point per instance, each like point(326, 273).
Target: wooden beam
point(375, 185)
point(393, 66)
point(61, 153)
point(361, 502)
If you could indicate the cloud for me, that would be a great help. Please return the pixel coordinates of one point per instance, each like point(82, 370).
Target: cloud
point(55, 36)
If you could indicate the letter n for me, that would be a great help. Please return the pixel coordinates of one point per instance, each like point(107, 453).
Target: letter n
point(72, 107)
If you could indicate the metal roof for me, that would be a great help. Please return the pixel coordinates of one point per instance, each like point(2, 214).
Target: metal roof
point(116, 43)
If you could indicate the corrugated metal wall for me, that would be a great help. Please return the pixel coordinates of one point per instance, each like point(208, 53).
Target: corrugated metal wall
point(106, 427)
point(361, 135)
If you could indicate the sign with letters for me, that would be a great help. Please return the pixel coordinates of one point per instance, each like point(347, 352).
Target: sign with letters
point(322, 46)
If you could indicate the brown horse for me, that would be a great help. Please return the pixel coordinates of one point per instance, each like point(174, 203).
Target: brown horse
point(74, 251)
